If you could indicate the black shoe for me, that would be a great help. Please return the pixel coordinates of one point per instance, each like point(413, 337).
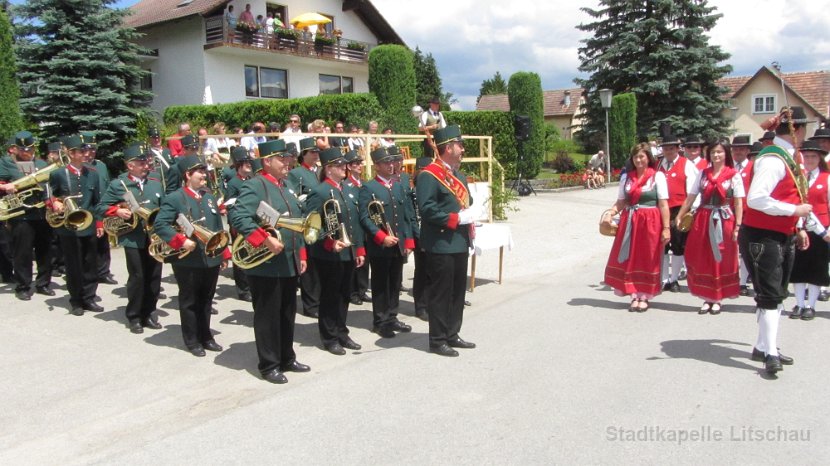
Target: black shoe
point(399, 326)
point(772, 364)
point(162, 296)
point(423, 315)
point(197, 351)
point(275, 376)
point(443, 350)
point(92, 307)
point(759, 356)
point(335, 349)
point(296, 367)
point(108, 280)
point(682, 274)
point(57, 273)
point(674, 287)
point(356, 300)
point(459, 343)
point(246, 296)
point(808, 313)
point(44, 290)
point(214, 311)
point(23, 295)
point(150, 323)
point(311, 314)
point(135, 327)
point(667, 286)
point(824, 295)
point(76, 311)
point(348, 343)
point(796, 312)
point(61, 270)
point(744, 291)
point(384, 332)
point(211, 345)
point(467, 303)
point(366, 298)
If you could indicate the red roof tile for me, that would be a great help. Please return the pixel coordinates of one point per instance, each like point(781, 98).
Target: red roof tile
point(812, 86)
point(148, 12)
point(554, 102)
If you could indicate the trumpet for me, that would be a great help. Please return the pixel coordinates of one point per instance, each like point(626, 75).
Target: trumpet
point(117, 226)
point(14, 205)
point(246, 256)
point(72, 217)
point(335, 225)
point(377, 214)
point(159, 250)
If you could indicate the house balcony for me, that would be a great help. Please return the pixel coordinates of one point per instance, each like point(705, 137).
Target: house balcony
point(286, 42)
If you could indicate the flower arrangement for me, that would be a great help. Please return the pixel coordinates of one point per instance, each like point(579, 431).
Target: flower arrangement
point(246, 27)
point(287, 33)
point(356, 46)
point(323, 40)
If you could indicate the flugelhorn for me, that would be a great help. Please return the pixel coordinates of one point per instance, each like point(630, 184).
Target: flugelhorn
point(214, 242)
point(246, 256)
point(72, 217)
point(335, 225)
point(14, 205)
point(159, 250)
point(377, 214)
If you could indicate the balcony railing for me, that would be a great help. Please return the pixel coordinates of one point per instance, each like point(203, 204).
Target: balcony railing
point(289, 42)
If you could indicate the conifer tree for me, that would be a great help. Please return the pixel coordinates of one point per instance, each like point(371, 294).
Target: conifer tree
point(495, 85)
point(427, 79)
point(10, 121)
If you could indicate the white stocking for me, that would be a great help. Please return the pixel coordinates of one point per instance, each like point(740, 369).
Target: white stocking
point(799, 293)
point(768, 331)
point(813, 291)
point(676, 264)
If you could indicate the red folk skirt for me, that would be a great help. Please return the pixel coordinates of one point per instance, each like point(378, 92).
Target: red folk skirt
point(640, 272)
point(707, 278)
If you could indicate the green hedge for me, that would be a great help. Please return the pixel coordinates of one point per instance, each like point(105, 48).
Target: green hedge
point(524, 91)
point(622, 127)
point(499, 125)
point(357, 109)
point(392, 80)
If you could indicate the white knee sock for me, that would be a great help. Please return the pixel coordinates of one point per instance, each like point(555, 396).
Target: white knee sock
point(664, 269)
point(676, 265)
point(799, 293)
point(768, 331)
point(813, 291)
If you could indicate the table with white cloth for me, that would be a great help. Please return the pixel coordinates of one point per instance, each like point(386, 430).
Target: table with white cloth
point(490, 236)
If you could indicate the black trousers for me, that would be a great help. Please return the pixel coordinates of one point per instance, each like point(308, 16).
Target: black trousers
point(419, 281)
point(31, 239)
point(6, 261)
point(769, 256)
point(335, 285)
point(360, 281)
point(81, 280)
point(310, 288)
point(677, 243)
point(447, 286)
point(104, 258)
point(197, 286)
point(143, 283)
point(239, 277)
point(386, 288)
point(57, 252)
point(275, 305)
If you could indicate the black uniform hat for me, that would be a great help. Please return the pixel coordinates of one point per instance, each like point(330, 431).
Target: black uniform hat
point(190, 142)
point(352, 156)
point(331, 155)
point(256, 165)
point(135, 151)
point(23, 139)
point(756, 148)
point(670, 140)
point(741, 141)
point(189, 162)
point(153, 133)
point(88, 140)
point(73, 142)
point(240, 154)
point(799, 117)
point(822, 133)
point(446, 135)
point(380, 155)
point(812, 146)
point(395, 152)
point(308, 144)
point(694, 140)
point(275, 147)
point(768, 136)
point(54, 147)
point(291, 148)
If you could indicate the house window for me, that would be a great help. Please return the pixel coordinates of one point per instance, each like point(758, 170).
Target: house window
point(763, 103)
point(330, 84)
point(266, 82)
point(146, 83)
point(279, 11)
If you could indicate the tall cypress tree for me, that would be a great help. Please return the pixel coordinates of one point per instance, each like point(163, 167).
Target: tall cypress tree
point(10, 121)
point(659, 50)
point(79, 70)
point(524, 92)
point(427, 79)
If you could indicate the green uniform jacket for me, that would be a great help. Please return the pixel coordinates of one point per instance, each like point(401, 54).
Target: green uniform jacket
point(103, 175)
point(244, 220)
point(410, 203)
point(394, 208)
point(233, 188)
point(440, 231)
point(150, 199)
point(174, 179)
point(10, 172)
point(323, 249)
point(63, 183)
point(302, 180)
point(194, 209)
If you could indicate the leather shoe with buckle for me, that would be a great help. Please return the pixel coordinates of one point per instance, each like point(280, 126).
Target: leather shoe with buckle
point(135, 327)
point(150, 323)
point(399, 326)
point(108, 280)
point(384, 332)
point(796, 312)
point(459, 343)
point(23, 295)
point(808, 313)
point(44, 291)
point(197, 351)
point(296, 367)
point(348, 343)
point(443, 350)
point(772, 364)
point(335, 349)
point(212, 346)
point(92, 307)
point(674, 287)
point(76, 311)
point(275, 376)
point(758, 355)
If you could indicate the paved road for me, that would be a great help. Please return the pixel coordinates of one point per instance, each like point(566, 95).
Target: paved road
point(563, 373)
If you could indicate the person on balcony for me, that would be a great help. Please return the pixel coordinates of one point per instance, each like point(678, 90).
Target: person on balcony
point(247, 18)
point(230, 20)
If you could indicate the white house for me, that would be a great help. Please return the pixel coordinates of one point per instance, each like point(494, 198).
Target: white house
point(196, 58)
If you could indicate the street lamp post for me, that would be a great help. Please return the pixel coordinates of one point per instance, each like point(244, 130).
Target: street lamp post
point(733, 112)
point(605, 96)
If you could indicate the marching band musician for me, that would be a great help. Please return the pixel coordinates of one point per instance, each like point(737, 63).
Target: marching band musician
point(419, 280)
point(353, 183)
point(301, 180)
point(241, 158)
point(144, 280)
point(175, 178)
point(388, 244)
point(334, 257)
point(79, 246)
point(443, 200)
point(90, 148)
point(161, 161)
point(197, 273)
point(274, 282)
point(29, 232)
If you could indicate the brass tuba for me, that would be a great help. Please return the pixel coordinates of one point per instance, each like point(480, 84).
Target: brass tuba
point(335, 225)
point(246, 256)
point(14, 205)
point(159, 250)
point(377, 214)
point(73, 218)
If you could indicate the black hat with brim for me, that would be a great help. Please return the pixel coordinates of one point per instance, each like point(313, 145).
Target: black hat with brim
point(422, 162)
point(694, 140)
point(23, 139)
point(756, 148)
point(190, 142)
point(821, 133)
point(72, 142)
point(240, 154)
point(670, 140)
point(447, 135)
point(273, 148)
point(135, 152)
point(307, 144)
point(381, 155)
point(741, 141)
point(256, 165)
point(768, 136)
point(54, 147)
point(332, 155)
point(813, 145)
point(352, 156)
point(799, 116)
point(187, 163)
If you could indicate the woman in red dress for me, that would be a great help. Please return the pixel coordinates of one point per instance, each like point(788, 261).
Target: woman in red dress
point(633, 267)
point(712, 244)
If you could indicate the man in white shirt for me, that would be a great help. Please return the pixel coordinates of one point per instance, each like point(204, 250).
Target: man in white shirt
point(293, 132)
point(251, 141)
point(431, 120)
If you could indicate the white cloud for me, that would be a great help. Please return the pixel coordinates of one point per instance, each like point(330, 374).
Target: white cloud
point(471, 40)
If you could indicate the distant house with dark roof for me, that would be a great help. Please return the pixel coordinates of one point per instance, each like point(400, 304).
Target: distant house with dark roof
point(561, 107)
point(196, 58)
point(753, 99)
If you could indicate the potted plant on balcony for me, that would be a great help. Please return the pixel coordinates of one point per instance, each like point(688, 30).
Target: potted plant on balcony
point(352, 45)
point(288, 34)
